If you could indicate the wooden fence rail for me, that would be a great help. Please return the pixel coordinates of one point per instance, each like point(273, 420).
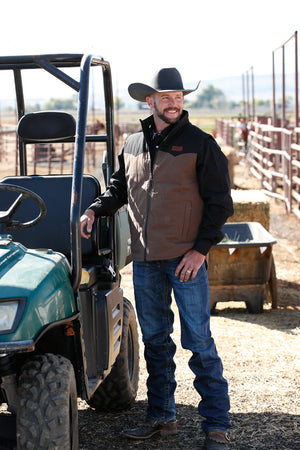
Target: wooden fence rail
point(273, 157)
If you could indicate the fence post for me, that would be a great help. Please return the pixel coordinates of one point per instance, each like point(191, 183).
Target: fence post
point(286, 139)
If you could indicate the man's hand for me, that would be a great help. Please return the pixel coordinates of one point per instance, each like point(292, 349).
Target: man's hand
point(87, 220)
point(189, 265)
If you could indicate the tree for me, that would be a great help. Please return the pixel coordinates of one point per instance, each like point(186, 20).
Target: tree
point(210, 97)
point(33, 107)
point(119, 103)
point(260, 103)
point(58, 103)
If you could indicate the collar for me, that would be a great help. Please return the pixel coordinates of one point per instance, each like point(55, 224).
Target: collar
point(148, 127)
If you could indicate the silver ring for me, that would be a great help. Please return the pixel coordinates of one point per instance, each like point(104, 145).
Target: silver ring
point(188, 271)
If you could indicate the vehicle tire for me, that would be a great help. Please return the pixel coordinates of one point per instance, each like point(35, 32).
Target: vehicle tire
point(118, 391)
point(47, 415)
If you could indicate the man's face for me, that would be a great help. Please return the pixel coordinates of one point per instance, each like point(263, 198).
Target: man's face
point(166, 107)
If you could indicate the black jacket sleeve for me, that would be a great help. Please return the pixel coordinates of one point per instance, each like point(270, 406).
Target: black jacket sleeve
point(115, 195)
point(214, 187)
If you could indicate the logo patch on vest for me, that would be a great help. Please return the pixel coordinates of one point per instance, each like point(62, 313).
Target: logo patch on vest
point(176, 148)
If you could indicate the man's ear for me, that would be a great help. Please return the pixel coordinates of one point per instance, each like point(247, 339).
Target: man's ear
point(149, 100)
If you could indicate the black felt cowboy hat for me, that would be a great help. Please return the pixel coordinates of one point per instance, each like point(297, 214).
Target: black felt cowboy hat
point(165, 80)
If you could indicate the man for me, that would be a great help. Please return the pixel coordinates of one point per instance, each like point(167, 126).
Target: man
point(175, 180)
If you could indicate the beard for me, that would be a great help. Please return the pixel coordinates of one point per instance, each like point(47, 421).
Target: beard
point(162, 116)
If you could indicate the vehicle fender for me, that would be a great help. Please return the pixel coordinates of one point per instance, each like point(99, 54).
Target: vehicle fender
point(42, 278)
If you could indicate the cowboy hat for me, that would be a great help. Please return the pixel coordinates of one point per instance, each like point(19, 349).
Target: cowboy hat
point(165, 80)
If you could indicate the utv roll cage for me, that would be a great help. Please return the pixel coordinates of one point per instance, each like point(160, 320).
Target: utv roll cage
point(53, 64)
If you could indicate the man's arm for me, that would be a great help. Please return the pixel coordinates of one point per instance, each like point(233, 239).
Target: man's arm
point(214, 188)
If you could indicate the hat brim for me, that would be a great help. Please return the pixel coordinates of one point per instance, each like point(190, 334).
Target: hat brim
point(140, 91)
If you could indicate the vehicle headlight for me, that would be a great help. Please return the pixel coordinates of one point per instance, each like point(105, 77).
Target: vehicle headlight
point(9, 314)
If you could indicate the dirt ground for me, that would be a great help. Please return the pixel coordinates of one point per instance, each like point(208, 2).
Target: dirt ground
point(260, 355)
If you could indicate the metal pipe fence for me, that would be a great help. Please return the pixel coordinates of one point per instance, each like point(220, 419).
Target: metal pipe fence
point(46, 159)
point(273, 157)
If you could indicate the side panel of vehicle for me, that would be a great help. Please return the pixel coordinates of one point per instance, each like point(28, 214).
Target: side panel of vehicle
point(102, 316)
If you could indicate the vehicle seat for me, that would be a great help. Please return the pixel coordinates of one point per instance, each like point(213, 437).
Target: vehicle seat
point(54, 230)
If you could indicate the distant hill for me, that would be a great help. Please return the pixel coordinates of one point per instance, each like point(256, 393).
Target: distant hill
point(263, 87)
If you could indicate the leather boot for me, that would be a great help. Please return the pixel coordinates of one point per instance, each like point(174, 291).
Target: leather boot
point(216, 440)
point(150, 428)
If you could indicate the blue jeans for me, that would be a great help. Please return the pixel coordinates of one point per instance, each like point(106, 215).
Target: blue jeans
point(153, 284)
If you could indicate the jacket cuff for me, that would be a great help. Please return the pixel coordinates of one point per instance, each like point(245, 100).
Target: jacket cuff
point(96, 207)
point(203, 247)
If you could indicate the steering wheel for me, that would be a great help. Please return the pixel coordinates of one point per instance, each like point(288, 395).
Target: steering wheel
point(6, 217)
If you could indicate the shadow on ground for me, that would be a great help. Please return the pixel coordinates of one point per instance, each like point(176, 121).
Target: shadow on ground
point(250, 431)
point(101, 431)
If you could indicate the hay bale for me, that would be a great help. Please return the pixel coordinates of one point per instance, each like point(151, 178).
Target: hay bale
point(233, 159)
point(250, 206)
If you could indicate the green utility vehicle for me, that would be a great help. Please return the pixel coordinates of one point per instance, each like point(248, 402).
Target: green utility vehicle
point(66, 331)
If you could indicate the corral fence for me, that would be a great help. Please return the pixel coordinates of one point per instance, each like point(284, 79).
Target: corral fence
point(56, 158)
point(50, 158)
point(272, 155)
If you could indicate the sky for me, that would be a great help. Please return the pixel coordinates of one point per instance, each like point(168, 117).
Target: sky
point(205, 40)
